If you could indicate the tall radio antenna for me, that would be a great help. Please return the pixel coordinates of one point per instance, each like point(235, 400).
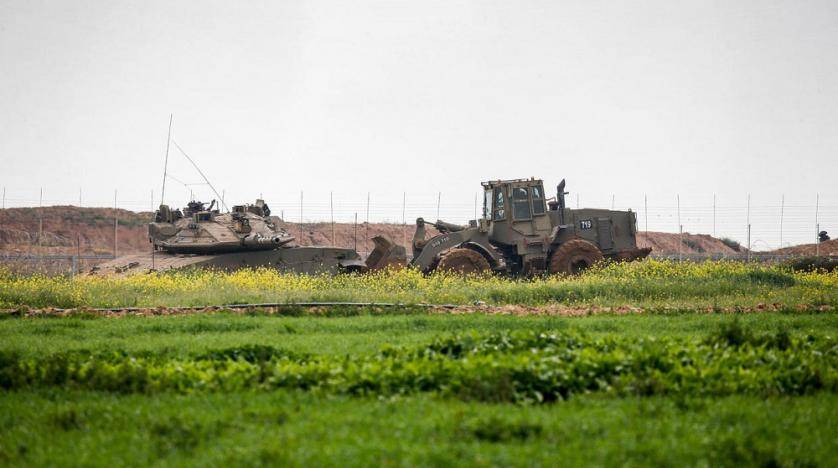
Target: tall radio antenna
point(220, 198)
point(166, 164)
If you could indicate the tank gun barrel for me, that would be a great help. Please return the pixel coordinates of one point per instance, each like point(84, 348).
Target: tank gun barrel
point(260, 241)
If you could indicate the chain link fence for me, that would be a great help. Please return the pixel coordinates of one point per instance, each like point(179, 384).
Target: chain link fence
point(761, 224)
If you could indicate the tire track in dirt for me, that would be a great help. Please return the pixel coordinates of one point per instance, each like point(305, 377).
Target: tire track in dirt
point(348, 309)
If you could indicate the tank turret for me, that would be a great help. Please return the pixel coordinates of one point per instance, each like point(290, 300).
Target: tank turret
point(201, 229)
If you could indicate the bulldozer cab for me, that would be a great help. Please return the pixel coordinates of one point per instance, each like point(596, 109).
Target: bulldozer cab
point(515, 208)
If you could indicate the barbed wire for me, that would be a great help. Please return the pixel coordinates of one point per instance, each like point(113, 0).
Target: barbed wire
point(775, 224)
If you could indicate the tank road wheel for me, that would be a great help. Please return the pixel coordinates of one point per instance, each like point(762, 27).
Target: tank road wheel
point(574, 256)
point(463, 261)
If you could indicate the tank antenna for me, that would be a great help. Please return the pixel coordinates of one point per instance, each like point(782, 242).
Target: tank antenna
point(166, 164)
point(202, 174)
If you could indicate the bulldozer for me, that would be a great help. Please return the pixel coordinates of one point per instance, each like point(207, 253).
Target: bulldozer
point(523, 233)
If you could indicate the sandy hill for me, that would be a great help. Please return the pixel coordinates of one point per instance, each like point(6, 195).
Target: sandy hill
point(63, 226)
point(68, 229)
point(665, 243)
point(829, 247)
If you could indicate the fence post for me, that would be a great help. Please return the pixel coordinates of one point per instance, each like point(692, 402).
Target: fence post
point(646, 212)
point(40, 221)
point(332, 216)
point(475, 206)
point(367, 225)
point(749, 242)
point(438, 201)
point(817, 226)
point(78, 251)
point(782, 208)
point(4, 197)
point(404, 220)
point(115, 223)
point(680, 227)
point(301, 218)
point(748, 219)
point(714, 215)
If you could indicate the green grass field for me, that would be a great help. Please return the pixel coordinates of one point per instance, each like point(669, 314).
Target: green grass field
point(674, 385)
point(184, 335)
point(297, 428)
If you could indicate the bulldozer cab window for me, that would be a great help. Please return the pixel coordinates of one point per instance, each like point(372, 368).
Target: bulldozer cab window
point(487, 204)
point(521, 203)
point(537, 200)
point(500, 212)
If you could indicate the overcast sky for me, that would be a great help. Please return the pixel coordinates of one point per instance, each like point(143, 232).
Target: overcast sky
point(623, 98)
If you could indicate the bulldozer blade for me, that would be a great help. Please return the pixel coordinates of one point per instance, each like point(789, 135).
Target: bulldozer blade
point(386, 254)
point(633, 254)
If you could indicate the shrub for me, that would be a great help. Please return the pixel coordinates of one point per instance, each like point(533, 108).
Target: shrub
point(771, 277)
point(731, 243)
point(526, 367)
point(693, 244)
point(813, 264)
point(253, 353)
point(732, 333)
point(496, 429)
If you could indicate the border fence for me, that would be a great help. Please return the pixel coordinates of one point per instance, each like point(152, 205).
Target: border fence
point(760, 224)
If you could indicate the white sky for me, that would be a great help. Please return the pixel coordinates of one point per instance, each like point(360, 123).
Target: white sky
point(623, 98)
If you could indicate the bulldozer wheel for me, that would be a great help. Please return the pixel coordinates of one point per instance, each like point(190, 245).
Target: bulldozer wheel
point(574, 256)
point(463, 261)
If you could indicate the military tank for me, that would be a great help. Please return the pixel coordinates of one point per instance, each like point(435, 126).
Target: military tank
point(201, 236)
point(200, 229)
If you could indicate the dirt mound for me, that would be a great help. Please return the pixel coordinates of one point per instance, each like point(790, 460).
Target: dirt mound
point(828, 248)
point(664, 243)
point(70, 229)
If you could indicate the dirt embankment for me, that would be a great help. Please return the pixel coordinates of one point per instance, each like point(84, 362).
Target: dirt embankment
point(92, 228)
point(827, 248)
point(70, 229)
point(665, 243)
